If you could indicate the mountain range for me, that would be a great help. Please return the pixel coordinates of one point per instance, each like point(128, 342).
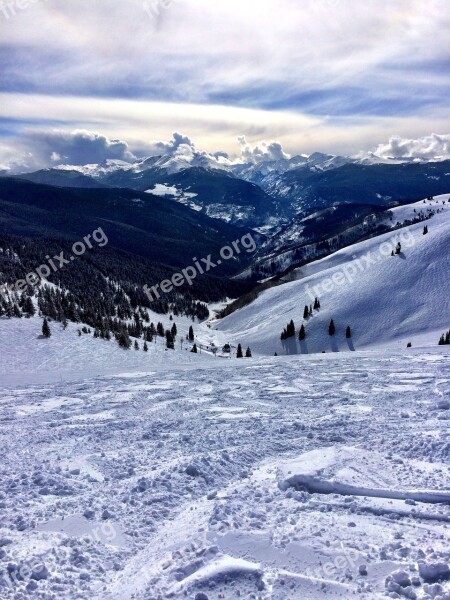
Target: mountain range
point(260, 195)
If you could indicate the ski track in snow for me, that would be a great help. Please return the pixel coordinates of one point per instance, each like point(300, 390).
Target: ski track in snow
point(181, 483)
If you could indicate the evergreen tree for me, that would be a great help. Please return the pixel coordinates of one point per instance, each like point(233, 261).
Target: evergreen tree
point(191, 334)
point(160, 329)
point(291, 328)
point(398, 248)
point(145, 347)
point(123, 339)
point(316, 304)
point(425, 230)
point(306, 312)
point(248, 353)
point(239, 352)
point(169, 340)
point(331, 328)
point(136, 345)
point(348, 332)
point(46, 329)
point(302, 334)
point(29, 307)
point(174, 331)
point(194, 349)
point(310, 310)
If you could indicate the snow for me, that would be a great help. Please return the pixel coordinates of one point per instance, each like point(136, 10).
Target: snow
point(161, 189)
point(136, 486)
point(387, 301)
point(304, 476)
point(66, 355)
point(181, 196)
point(337, 470)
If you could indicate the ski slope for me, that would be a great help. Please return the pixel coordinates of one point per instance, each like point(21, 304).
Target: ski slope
point(386, 300)
point(27, 357)
point(289, 478)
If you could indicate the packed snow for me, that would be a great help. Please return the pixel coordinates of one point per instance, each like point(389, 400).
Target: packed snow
point(301, 477)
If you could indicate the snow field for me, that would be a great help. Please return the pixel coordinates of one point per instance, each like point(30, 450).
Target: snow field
point(180, 485)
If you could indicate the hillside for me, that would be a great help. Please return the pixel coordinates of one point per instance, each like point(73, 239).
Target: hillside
point(377, 184)
point(143, 224)
point(216, 193)
point(61, 178)
point(398, 299)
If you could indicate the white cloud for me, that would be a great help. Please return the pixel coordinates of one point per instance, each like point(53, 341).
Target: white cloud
point(261, 152)
point(429, 147)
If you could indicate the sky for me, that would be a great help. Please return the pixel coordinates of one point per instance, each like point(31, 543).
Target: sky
point(95, 79)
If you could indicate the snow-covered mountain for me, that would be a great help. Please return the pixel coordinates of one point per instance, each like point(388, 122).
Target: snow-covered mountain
point(263, 194)
point(386, 300)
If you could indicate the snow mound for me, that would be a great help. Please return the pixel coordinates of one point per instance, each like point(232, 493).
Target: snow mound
point(349, 471)
point(219, 571)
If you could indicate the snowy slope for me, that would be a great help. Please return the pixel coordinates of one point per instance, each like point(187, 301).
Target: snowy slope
point(29, 358)
point(386, 300)
point(189, 483)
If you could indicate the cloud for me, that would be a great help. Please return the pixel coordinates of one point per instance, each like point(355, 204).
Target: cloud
point(183, 148)
point(78, 147)
point(317, 55)
point(38, 149)
point(429, 147)
point(263, 152)
point(173, 146)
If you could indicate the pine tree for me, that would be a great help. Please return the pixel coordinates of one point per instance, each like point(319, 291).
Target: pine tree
point(194, 349)
point(145, 347)
point(291, 328)
point(348, 332)
point(302, 334)
point(123, 339)
point(316, 304)
point(136, 345)
point(425, 230)
point(174, 331)
point(191, 334)
point(239, 352)
point(29, 307)
point(306, 312)
point(46, 329)
point(331, 328)
point(248, 353)
point(169, 341)
point(398, 248)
